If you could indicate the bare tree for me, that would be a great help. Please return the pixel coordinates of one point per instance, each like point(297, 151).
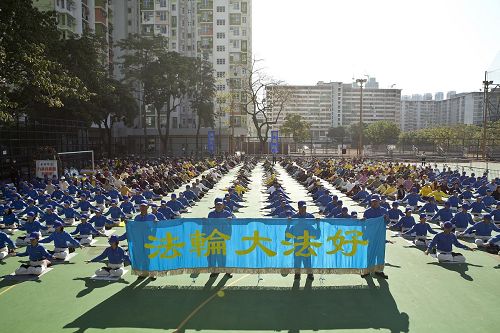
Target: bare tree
point(266, 98)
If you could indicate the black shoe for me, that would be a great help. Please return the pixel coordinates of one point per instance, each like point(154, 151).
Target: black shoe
point(228, 275)
point(382, 275)
point(310, 277)
point(297, 277)
point(364, 276)
point(214, 275)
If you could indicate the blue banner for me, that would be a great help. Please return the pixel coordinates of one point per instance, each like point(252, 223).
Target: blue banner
point(256, 245)
point(274, 142)
point(211, 141)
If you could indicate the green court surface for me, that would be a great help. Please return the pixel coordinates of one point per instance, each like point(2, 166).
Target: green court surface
point(420, 295)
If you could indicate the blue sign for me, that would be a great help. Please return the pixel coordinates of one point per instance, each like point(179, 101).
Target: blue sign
point(274, 142)
point(211, 141)
point(257, 245)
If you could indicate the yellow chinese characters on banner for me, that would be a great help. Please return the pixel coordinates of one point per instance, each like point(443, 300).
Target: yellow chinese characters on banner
point(215, 244)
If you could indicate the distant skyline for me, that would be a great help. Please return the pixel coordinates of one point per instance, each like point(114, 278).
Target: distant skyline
point(420, 46)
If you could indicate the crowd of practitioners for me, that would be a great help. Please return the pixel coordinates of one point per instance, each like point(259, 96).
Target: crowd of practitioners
point(408, 196)
point(37, 211)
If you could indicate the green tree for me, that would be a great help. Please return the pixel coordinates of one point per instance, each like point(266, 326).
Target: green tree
point(337, 133)
point(202, 96)
point(296, 127)
point(382, 132)
point(354, 132)
point(29, 74)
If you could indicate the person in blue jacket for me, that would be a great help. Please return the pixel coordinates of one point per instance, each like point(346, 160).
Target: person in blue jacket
point(115, 212)
point(444, 214)
point(443, 243)
point(478, 206)
point(30, 226)
point(127, 207)
point(85, 231)
point(6, 245)
point(144, 215)
point(116, 257)
point(302, 213)
point(175, 205)
point(101, 222)
point(166, 211)
point(50, 218)
point(394, 213)
point(62, 241)
point(481, 230)
point(31, 208)
point(84, 205)
point(419, 231)
point(462, 220)
point(154, 210)
point(406, 222)
point(39, 257)
point(69, 214)
point(10, 222)
point(217, 260)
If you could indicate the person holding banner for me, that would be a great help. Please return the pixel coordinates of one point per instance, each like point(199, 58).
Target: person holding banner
point(221, 231)
point(375, 211)
point(144, 215)
point(302, 213)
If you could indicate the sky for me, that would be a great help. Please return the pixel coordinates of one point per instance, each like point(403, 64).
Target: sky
point(419, 45)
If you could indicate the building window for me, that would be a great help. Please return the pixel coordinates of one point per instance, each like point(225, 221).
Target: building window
point(162, 15)
point(221, 74)
point(221, 35)
point(174, 33)
point(244, 32)
point(174, 122)
point(236, 6)
point(163, 3)
point(221, 22)
point(221, 61)
point(174, 45)
point(244, 19)
point(221, 87)
point(236, 31)
point(173, 7)
point(221, 9)
point(163, 29)
point(221, 48)
point(147, 16)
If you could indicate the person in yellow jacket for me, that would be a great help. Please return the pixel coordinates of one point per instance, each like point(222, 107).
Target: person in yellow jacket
point(426, 190)
point(439, 195)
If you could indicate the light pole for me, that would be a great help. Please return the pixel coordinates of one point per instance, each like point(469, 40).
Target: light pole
point(486, 84)
point(360, 141)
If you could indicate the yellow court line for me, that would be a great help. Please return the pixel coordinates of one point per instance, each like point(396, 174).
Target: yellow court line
point(195, 311)
point(6, 290)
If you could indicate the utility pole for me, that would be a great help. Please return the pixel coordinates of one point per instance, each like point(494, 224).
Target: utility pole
point(486, 84)
point(360, 140)
point(231, 143)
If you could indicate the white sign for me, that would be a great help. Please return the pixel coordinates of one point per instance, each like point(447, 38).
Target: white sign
point(46, 168)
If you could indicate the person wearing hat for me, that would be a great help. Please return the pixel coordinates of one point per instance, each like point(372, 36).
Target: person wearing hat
point(84, 205)
point(31, 208)
point(6, 245)
point(412, 198)
point(430, 208)
point(30, 226)
point(10, 222)
point(38, 255)
point(190, 195)
point(220, 210)
point(481, 230)
point(175, 205)
point(182, 199)
point(302, 213)
point(462, 220)
point(85, 231)
point(230, 204)
point(331, 205)
point(444, 214)
point(100, 199)
point(373, 212)
point(344, 214)
point(488, 199)
point(50, 217)
point(443, 242)
point(478, 206)
point(127, 207)
point(144, 215)
point(137, 198)
point(69, 214)
point(101, 222)
point(406, 222)
point(154, 210)
point(62, 241)
point(116, 259)
point(335, 211)
point(419, 231)
point(167, 212)
point(224, 227)
point(18, 204)
point(394, 213)
point(116, 212)
point(495, 214)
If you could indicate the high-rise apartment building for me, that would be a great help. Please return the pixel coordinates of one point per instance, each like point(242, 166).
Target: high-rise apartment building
point(334, 104)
